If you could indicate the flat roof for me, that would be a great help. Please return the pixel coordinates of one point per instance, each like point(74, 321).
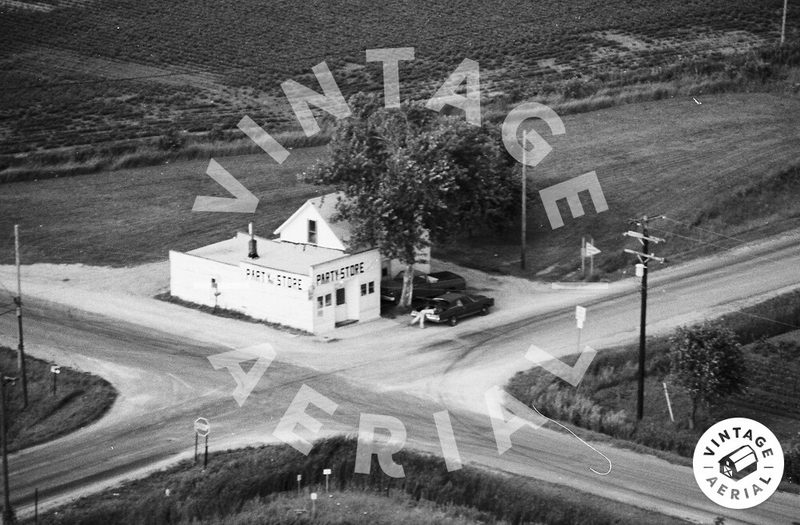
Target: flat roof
point(277, 255)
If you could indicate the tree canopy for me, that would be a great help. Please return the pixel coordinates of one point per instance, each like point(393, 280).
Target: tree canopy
point(411, 177)
point(707, 361)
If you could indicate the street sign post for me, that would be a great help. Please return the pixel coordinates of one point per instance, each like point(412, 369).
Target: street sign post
point(55, 370)
point(580, 315)
point(327, 473)
point(202, 428)
point(580, 318)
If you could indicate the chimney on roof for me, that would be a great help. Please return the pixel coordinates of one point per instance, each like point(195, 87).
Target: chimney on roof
point(252, 244)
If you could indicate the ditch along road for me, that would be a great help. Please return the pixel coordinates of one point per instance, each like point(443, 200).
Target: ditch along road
point(156, 354)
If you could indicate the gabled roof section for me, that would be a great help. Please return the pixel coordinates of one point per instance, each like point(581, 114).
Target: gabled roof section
point(325, 206)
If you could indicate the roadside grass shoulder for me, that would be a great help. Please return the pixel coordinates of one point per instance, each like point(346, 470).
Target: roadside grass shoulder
point(79, 400)
point(605, 401)
point(245, 482)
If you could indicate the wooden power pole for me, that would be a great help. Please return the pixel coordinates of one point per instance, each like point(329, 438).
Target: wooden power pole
point(644, 257)
point(523, 228)
point(8, 512)
point(18, 302)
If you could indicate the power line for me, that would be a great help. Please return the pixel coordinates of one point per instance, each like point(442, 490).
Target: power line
point(707, 243)
point(702, 229)
point(766, 319)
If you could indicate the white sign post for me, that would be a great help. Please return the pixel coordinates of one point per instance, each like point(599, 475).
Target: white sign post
point(202, 428)
point(299, 479)
point(591, 250)
point(669, 405)
point(580, 318)
point(327, 473)
point(313, 503)
point(55, 370)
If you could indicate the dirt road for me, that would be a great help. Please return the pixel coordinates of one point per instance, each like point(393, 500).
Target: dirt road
point(105, 321)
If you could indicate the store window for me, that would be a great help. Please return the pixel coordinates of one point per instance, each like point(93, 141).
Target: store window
point(339, 296)
point(319, 306)
point(327, 299)
point(372, 287)
point(364, 289)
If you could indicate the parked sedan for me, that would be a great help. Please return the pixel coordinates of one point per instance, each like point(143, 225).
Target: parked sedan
point(451, 307)
point(425, 285)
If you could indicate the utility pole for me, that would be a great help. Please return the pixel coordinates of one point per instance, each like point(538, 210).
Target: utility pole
point(783, 24)
point(8, 512)
point(644, 257)
point(18, 302)
point(523, 234)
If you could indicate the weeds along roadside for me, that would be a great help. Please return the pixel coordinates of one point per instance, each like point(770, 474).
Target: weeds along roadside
point(234, 479)
point(603, 402)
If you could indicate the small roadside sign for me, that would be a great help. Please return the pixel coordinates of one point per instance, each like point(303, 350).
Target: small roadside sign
point(326, 472)
point(55, 369)
point(591, 249)
point(202, 427)
point(580, 315)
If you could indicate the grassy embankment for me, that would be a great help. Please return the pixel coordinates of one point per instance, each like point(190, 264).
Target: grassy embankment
point(720, 185)
point(258, 486)
point(137, 92)
point(605, 401)
point(79, 400)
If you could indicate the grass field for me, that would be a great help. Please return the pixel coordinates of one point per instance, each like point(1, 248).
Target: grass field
point(79, 400)
point(670, 157)
point(98, 72)
point(259, 486)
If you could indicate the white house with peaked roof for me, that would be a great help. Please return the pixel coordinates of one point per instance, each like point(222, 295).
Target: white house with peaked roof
point(309, 277)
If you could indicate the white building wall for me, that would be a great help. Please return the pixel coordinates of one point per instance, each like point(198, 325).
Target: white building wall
point(190, 280)
point(348, 273)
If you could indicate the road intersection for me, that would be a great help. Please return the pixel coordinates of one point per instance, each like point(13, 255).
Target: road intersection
point(156, 354)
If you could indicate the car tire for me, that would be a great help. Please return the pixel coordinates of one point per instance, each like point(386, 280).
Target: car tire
point(484, 310)
point(453, 321)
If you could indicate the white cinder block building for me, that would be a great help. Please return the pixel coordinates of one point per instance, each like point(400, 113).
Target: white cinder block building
point(307, 278)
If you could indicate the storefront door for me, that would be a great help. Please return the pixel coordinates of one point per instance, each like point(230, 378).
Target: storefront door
point(341, 305)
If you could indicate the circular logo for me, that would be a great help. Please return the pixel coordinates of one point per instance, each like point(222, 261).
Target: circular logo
point(738, 463)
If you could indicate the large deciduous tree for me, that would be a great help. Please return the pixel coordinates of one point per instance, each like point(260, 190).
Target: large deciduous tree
point(411, 177)
point(707, 361)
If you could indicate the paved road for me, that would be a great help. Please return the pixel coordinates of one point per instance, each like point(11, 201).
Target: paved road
point(158, 360)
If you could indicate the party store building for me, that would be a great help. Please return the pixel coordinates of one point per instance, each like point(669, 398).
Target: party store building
point(306, 278)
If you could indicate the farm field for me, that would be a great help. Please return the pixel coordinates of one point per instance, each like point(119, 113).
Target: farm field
point(671, 157)
point(98, 72)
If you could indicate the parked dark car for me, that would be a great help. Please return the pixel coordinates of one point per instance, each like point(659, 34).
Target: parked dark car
point(451, 307)
point(425, 285)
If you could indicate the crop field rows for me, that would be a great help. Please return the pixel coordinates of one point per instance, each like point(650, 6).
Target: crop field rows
point(60, 67)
